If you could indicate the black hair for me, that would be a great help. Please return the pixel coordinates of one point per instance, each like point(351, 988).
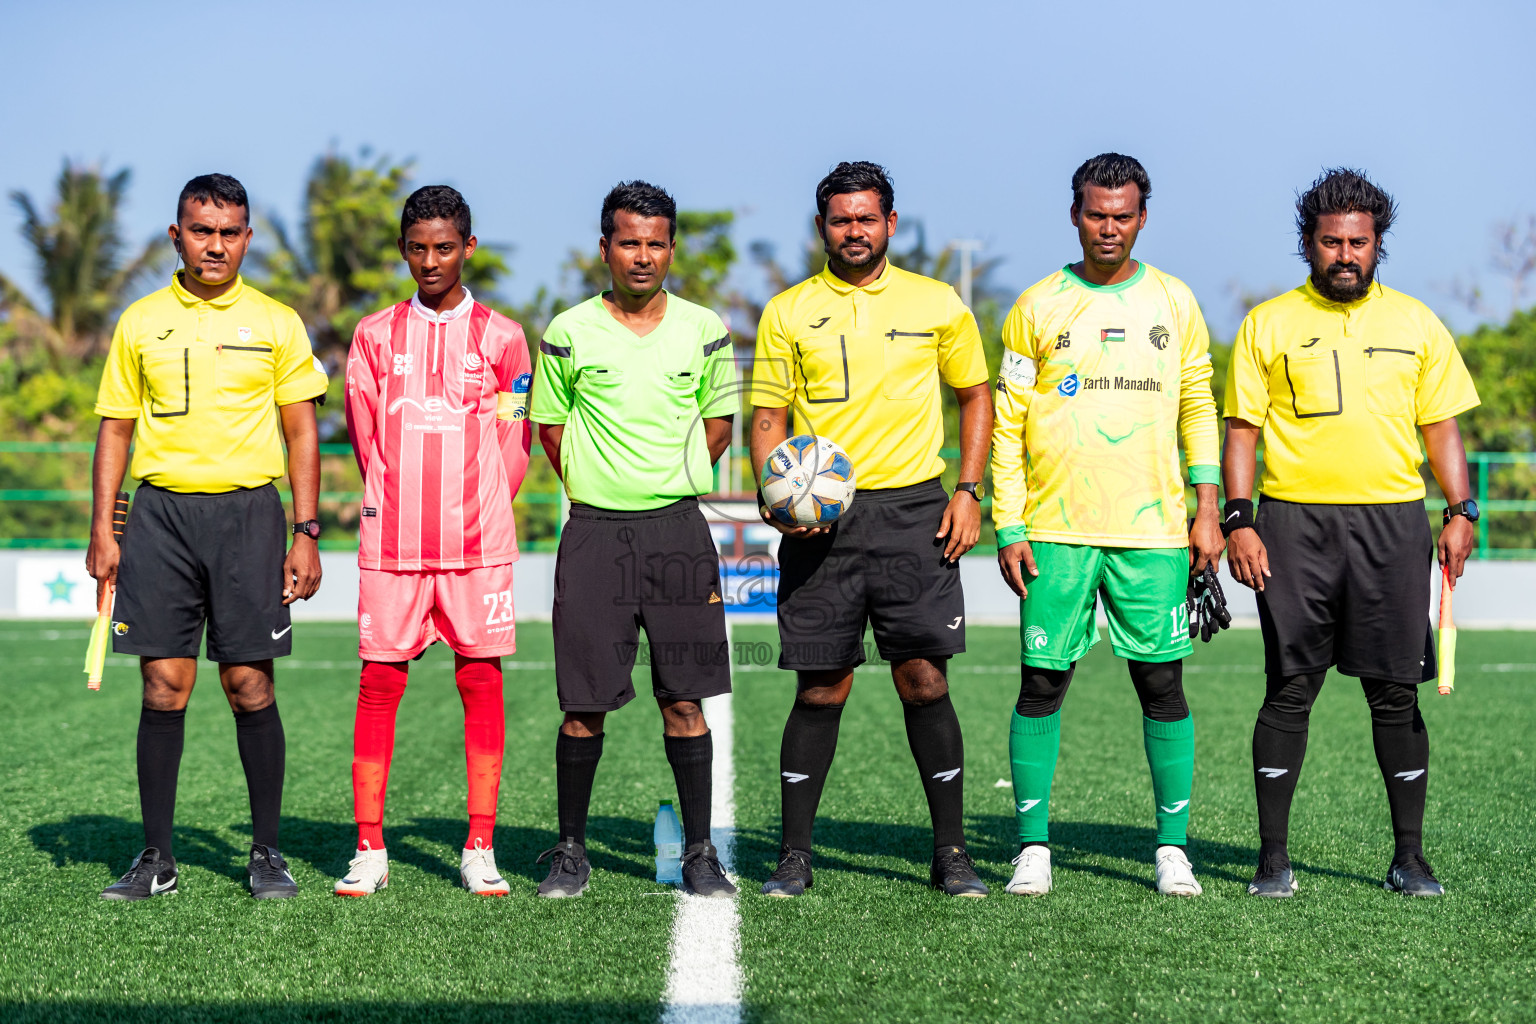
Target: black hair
point(1110, 170)
point(642, 199)
point(219, 189)
point(436, 202)
point(856, 176)
point(1343, 190)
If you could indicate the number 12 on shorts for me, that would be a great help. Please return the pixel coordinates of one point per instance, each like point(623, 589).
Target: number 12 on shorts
point(1180, 615)
point(500, 604)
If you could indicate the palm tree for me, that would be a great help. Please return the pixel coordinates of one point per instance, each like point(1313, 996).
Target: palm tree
point(83, 265)
point(342, 264)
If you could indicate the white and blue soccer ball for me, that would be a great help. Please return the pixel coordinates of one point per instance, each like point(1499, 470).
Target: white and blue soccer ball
point(807, 481)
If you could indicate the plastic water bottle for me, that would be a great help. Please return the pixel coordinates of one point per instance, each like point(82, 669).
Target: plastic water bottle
point(669, 845)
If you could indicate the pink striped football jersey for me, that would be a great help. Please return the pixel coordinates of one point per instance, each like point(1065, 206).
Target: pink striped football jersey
point(437, 411)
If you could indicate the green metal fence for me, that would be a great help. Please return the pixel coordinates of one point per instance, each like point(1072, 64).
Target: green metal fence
point(1504, 484)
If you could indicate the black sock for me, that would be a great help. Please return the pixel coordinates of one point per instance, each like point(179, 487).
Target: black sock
point(933, 733)
point(1279, 746)
point(1402, 752)
point(805, 758)
point(161, 734)
point(576, 760)
point(264, 755)
point(692, 758)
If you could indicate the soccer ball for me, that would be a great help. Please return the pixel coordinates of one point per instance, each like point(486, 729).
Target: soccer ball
point(807, 481)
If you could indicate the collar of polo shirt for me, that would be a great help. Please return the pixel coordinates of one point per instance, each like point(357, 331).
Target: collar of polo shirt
point(447, 314)
point(842, 287)
point(224, 301)
point(1319, 299)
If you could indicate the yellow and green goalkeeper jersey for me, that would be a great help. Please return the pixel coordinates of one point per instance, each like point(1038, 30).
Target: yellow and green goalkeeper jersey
point(1097, 385)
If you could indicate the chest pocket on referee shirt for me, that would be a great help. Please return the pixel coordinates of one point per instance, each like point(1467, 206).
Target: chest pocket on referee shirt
point(599, 379)
point(1309, 381)
point(824, 366)
point(910, 361)
point(168, 377)
point(243, 375)
point(1391, 377)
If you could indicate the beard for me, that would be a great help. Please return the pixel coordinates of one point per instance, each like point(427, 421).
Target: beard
point(1328, 284)
point(877, 249)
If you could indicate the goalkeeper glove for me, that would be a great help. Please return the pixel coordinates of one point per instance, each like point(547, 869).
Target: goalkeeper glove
point(1206, 606)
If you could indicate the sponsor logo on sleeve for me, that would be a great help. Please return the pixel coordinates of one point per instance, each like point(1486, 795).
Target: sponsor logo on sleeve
point(522, 384)
point(1017, 369)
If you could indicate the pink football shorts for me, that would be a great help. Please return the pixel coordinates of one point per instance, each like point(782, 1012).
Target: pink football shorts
point(400, 614)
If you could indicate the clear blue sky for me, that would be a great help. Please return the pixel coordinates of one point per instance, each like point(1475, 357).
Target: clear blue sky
point(980, 110)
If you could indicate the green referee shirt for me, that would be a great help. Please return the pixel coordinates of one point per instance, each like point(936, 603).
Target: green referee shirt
point(633, 407)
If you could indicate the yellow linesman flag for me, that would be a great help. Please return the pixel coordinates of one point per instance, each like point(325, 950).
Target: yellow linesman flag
point(1447, 634)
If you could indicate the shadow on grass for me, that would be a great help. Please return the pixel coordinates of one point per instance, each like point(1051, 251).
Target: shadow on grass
point(620, 845)
point(1075, 846)
point(113, 842)
point(363, 1011)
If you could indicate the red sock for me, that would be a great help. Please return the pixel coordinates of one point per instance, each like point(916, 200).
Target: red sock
point(485, 735)
point(373, 742)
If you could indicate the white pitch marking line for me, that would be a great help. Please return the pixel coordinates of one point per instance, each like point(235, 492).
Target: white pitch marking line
point(704, 978)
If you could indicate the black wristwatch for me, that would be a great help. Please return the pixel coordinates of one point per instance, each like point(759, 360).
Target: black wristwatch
point(309, 528)
point(1466, 508)
point(974, 490)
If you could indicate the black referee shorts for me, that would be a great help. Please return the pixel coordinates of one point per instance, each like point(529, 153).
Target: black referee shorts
point(195, 558)
point(619, 571)
point(879, 566)
point(1350, 587)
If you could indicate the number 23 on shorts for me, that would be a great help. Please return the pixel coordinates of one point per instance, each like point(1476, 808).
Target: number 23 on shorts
point(499, 605)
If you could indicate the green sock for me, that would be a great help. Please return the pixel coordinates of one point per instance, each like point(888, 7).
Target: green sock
point(1171, 756)
point(1033, 744)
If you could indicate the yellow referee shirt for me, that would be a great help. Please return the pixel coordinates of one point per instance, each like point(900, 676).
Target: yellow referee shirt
point(862, 366)
point(1340, 390)
point(203, 380)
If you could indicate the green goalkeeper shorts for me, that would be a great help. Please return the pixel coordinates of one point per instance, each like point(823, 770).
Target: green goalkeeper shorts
point(1144, 591)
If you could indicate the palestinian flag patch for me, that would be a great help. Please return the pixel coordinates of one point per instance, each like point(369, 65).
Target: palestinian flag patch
point(1112, 334)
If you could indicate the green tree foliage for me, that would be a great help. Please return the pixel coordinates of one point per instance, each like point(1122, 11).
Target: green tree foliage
point(342, 264)
point(700, 269)
point(84, 265)
point(1502, 360)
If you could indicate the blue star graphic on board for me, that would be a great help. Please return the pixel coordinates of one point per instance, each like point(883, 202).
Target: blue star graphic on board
point(59, 588)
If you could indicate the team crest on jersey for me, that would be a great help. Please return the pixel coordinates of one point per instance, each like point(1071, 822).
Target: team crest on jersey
point(1158, 336)
point(244, 333)
point(522, 384)
point(1069, 385)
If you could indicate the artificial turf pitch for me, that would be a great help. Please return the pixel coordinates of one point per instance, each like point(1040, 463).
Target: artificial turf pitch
point(869, 942)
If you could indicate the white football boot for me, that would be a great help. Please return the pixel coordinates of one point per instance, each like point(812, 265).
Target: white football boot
point(1174, 875)
point(367, 873)
point(477, 867)
point(1032, 872)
